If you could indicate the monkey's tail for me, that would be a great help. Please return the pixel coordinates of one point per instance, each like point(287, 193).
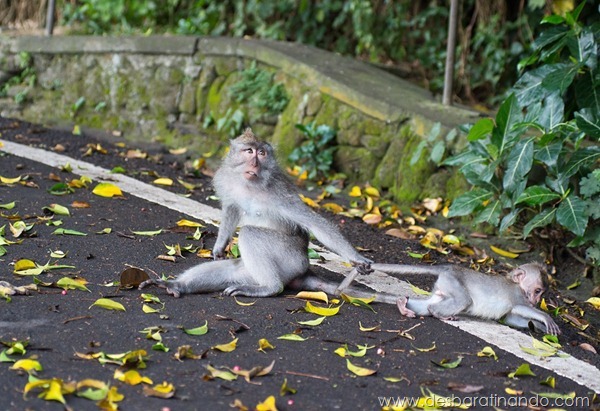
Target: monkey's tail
point(407, 269)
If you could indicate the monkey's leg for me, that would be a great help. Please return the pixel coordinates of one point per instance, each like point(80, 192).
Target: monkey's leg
point(202, 278)
point(412, 307)
point(271, 260)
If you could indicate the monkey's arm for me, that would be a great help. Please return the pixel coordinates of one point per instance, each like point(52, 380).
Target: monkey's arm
point(520, 315)
point(328, 234)
point(230, 218)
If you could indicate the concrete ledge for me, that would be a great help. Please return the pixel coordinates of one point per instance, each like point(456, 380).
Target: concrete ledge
point(181, 45)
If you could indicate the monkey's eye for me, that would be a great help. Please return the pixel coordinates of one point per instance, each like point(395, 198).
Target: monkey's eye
point(538, 290)
point(262, 152)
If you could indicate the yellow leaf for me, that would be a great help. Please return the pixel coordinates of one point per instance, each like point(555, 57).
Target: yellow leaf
point(267, 405)
point(243, 304)
point(322, 311)
point(354, 300)
point(487, 352)
point(368, 329)
point(313, 295)
point(372, 192)
point(360, 371)
point(108, 304)
point(107, 190)
point(309, 201)
point(355, 192)
point(204, 253)
point(226, 347)
point(372, 218)
point(164, 390)
point(114, 396)
point(333, 207)
point(503, 253)
point(149, 310)
point(292, 337)
point(595, 301)
point(131, 377)
point(7, 180)
point(27, 365)
point(188, 223)
point(24, 264)
point(512, 391)
point(163, 181)
point(263, 344)
point(451, 239)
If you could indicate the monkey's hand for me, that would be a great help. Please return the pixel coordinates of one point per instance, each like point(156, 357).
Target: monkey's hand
point(363, 266)
point(162, 284)
point(551, 327)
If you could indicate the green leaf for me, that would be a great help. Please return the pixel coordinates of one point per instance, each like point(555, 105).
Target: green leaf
point(203, 329)
point(536, 195)
point(292, 337)
point(481, 129)
point(469, 202)
point(57, 209)
point(508, 115)
point(71, 284)
point(548, 154)
point(589, 122)
point(528, 89)
point(8, 206)
point(540, 220)
point(448, 364)
point(490, 214)
point(571, 214)
point(509, 219)
point(518, 165)
point(64, 231)
point(552, 112)
point(582, 158)
point(524, 370)
point(561, 77)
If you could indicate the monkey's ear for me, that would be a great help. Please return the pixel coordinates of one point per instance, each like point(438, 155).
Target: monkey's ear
point(517, 275)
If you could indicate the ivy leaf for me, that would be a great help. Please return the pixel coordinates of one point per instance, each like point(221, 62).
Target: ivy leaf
point(571, 214)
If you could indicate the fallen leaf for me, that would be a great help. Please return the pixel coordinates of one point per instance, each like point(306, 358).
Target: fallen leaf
point(188, 223)
point(488, 351)
point(360, 371)
point(203, 329)
point(133, 277)
point(285, 389)
point(595, 301)
point(57, 209)
point(444, 363)
point(28, 365)
point(264, 344)
point(228, 347)
point(312, 323)
point(524, 370)
point(222, 374)
point(108, 304)
point(107, 190)
point(267, 405)
point(355, 192)
point(131, 377)
point(163, 181)
point(503, 253)
point(164, 390)
point(244, 304)
point(321, 311)
point(313, 295)
point(291, 337)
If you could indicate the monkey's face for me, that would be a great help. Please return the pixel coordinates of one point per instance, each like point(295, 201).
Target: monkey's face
point(533, 289)
point(253, 161)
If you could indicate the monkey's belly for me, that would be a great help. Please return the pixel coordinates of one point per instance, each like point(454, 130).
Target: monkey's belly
point(492, 308)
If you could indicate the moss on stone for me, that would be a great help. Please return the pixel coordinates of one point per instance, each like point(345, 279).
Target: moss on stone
point(358, 163)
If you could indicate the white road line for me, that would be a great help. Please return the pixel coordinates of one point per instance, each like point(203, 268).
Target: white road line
point(501, 336)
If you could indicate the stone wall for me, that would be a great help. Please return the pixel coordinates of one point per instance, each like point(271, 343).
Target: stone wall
point(165, 88)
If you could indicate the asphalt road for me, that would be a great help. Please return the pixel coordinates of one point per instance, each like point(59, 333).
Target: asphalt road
point(60, 327)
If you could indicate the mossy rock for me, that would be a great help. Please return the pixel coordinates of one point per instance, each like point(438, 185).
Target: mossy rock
point(358, 163)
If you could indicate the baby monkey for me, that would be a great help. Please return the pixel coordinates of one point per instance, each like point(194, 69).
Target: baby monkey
point(273, 239)
point(460, 290)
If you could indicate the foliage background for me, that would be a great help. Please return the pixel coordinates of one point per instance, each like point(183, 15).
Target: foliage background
point(406, 37)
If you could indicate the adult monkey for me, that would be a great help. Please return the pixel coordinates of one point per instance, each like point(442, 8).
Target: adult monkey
point(275, 224)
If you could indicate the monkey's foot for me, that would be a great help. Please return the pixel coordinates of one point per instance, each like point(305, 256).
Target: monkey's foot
point(249, 291)
point(162, 284)
point(363, 267)
point(404, 310)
